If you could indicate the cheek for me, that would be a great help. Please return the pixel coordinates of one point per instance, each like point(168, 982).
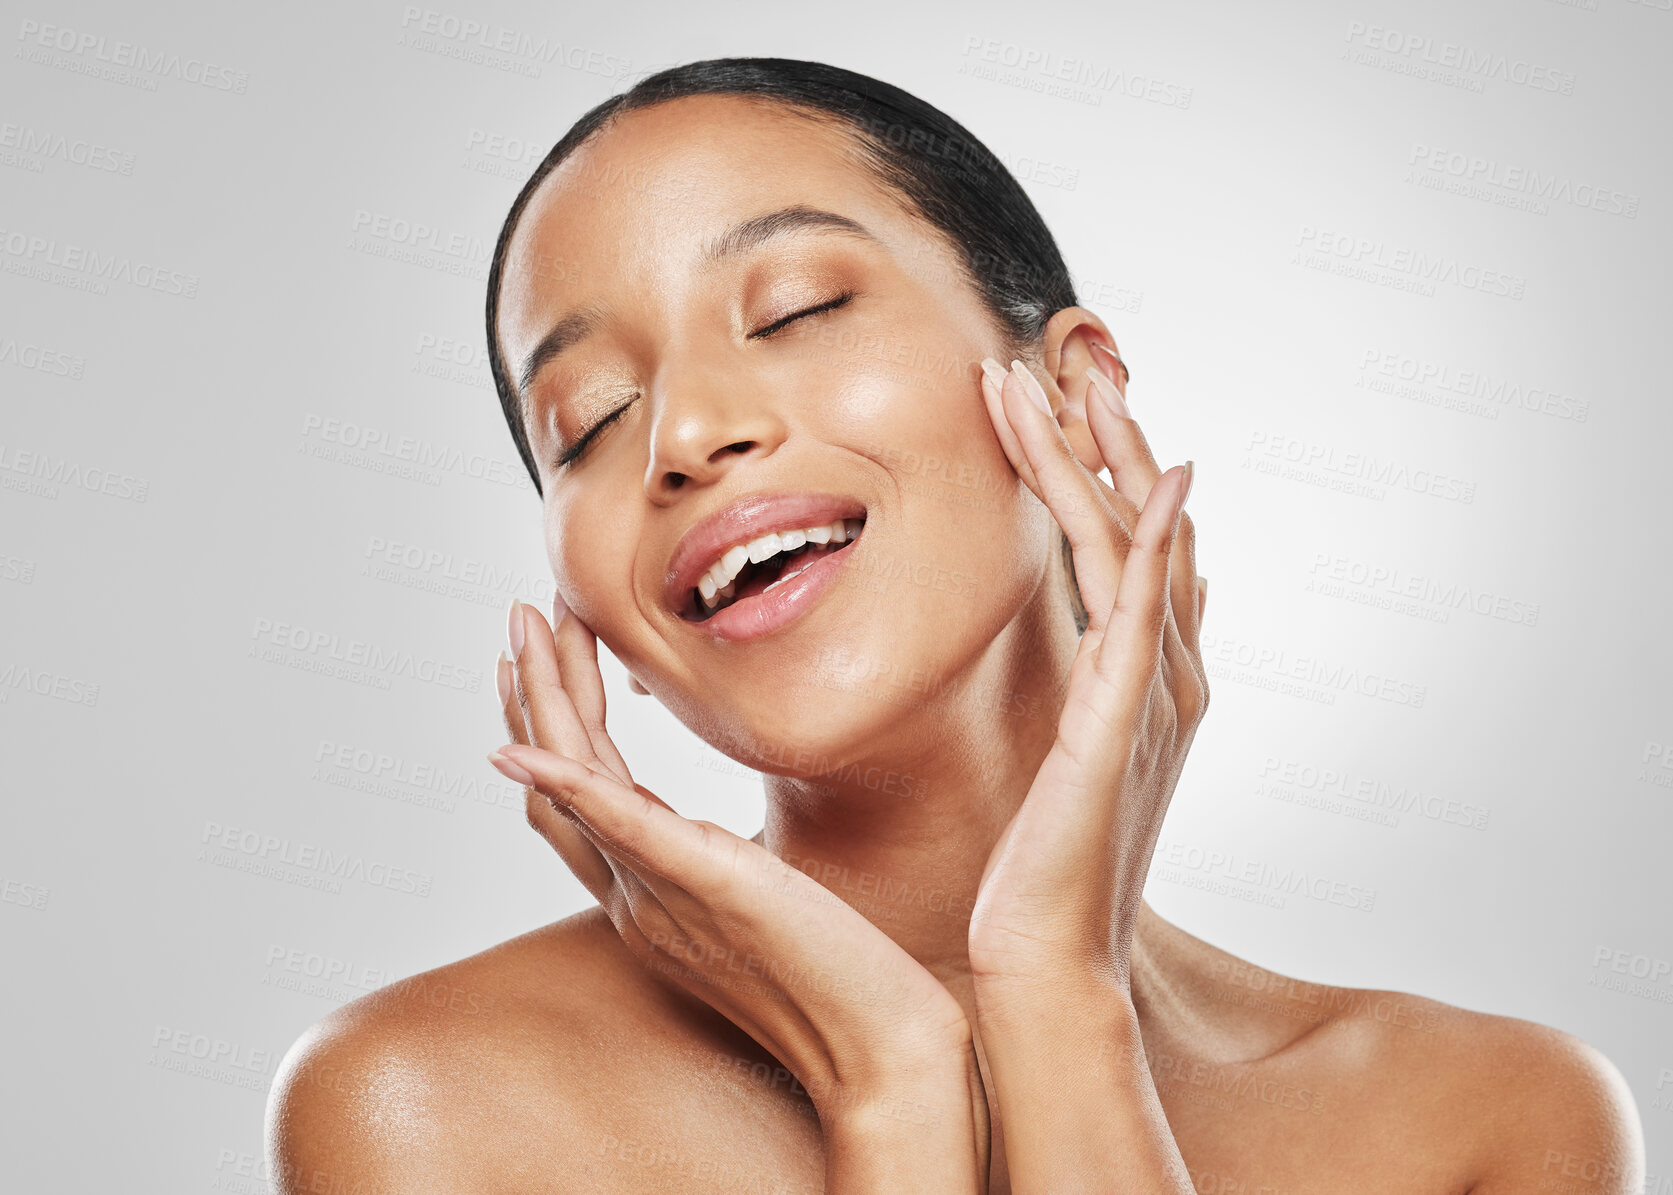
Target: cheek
point(914, 404)
point(590, 551)
point(963, 509)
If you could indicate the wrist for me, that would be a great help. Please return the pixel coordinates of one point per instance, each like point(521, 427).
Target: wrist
point(1068, 982)
point(921, 1129)
point(1079, 1008)
point(1068, 1064)
point(919, 1070)
point(926, 1058)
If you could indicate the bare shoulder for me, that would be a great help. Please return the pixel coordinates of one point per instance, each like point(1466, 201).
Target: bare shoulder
point(444, 1079)
point(1530, 1107)
point(1489, 1104)
point(1556, 1114)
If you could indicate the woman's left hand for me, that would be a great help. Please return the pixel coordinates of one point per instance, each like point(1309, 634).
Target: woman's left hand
point(1063, 885)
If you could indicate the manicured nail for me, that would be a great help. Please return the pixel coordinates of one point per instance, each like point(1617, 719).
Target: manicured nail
point(1115, 362)
point(502, 678)
point(559, 609)
point(1190, 476)
point(995, 372)
point(514, 628)
point(510, 769)
point(1031, 387)
point(1107, 391)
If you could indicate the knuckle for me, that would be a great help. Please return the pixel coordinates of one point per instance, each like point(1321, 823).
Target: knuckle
point(1193, 699)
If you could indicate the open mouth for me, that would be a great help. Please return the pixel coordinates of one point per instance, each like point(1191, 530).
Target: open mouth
point(760, 565)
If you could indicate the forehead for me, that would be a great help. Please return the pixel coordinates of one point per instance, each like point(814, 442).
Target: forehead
point(634, 209)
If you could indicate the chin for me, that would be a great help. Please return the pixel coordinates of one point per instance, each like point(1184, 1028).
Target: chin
point(861, 681)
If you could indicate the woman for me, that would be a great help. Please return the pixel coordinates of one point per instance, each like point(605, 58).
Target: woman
point(748, 323)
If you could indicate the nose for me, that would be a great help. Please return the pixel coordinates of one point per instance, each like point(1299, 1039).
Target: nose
point(707, 423)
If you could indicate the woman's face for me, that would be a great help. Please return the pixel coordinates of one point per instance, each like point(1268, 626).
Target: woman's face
point(724, 420)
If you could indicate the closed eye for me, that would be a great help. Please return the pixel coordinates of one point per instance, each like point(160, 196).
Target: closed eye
point(574, 451)
point(777, 325)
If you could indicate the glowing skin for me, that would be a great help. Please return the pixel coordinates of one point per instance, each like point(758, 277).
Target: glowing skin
point(822, 407)
point(1067, 1038)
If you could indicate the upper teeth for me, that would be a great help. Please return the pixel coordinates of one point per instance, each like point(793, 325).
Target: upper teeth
point(716, 583)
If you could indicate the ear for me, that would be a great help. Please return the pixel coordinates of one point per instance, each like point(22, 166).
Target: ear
point(1074, 339)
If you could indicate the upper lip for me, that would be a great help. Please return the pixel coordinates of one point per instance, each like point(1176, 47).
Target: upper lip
point(748, 518)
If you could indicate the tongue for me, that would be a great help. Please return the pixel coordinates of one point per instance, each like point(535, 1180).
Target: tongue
point(762, 579)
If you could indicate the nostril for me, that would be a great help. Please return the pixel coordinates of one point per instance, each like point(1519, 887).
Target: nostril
point(741, 447)
point(675, 480)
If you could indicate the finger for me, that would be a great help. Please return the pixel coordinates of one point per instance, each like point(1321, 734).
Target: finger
point(1078, 432)
point(509, 709)
point(547, 708)
point(1123, 446)
point(1121, 441)
point(1184, 604)
point(577, 657)
point(628, 822)
point(1182, 675)
point(621, 891)
point(579, 853)
point(1096, 536)
point(993, 380)
point(1114, 367)
point(1072, 419)
point(1131, 648)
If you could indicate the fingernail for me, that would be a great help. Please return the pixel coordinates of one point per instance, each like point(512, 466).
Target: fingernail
point(502, 677)
point(559, 609)
point(510, 769)
point(995, 372)
point(1115, 361)
point(514, 628)
point(1190, 476)
point(1031, 387)
point(1107, 391)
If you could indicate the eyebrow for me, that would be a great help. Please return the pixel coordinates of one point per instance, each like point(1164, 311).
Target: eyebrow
point(751, 234)
point(799, 218)
point(571, 330)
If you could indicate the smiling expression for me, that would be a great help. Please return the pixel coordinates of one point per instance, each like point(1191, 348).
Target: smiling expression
point(729, 336)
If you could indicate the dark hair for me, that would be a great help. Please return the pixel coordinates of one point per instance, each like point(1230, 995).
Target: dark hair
point(931, 161)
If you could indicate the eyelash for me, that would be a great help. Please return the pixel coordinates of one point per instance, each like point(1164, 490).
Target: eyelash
point(818, 309)
point(575, 450)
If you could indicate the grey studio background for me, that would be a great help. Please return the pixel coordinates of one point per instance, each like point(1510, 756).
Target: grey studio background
point(1394, 274)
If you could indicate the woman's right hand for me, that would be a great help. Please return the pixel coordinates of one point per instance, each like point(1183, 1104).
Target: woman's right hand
point(882, 1047)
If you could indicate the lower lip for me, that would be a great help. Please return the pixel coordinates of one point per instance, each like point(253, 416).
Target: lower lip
point(761, 615)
